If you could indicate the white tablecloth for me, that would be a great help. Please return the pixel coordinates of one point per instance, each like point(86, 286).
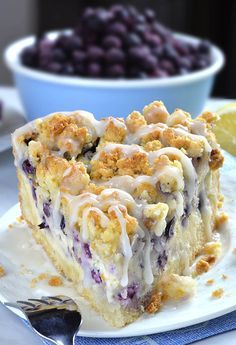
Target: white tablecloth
point(12, 331)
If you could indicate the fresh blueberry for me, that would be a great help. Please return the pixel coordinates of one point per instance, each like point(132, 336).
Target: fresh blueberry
point(29, 56)
point(79, 56)
point(115, 71)
point(112, 41)
point(204, 47)
point(133, 39)
point(149, 14)
point(118, 28)
point(67, 69)
point(95, 53)
point(94, 69)
point(115, 55)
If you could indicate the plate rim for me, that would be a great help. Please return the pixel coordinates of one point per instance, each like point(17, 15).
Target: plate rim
point(122, 332)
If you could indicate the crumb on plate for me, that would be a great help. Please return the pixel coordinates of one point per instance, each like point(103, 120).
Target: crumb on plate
point(2, 271)
point(217, 293)
point(19, 219)
point(224, 276)
point(40, 277)
point(210, 282)
point(55, 281)
point(221, 219)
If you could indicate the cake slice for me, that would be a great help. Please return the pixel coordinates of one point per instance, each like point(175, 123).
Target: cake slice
point(121, 206)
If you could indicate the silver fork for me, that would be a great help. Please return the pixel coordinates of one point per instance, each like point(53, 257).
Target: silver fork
point(56, 318)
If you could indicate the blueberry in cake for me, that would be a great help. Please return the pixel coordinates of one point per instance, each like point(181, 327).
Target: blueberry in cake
point(121, 206)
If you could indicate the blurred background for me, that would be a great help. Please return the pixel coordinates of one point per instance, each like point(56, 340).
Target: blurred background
point(211, 19)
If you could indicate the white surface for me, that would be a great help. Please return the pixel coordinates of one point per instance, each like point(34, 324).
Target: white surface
point(12, 331)
point(13, 62)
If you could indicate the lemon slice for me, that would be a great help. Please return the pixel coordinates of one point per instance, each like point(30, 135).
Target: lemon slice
point(225, 128)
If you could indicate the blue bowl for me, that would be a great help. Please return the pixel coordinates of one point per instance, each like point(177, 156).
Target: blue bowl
point(42, 93)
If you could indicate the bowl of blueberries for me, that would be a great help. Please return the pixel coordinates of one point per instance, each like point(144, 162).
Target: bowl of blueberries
point(113, 61)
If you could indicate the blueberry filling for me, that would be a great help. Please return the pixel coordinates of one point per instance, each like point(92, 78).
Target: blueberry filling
point(129, 293)
point(34, 193)
point(200, 202)
point(162, 260)
point(87, 251)
point(186, 214)
point(46, 208)
point(96, 276)
point(89, 149)
point(28, 167)
point(67, 156)
point(44, 224)
point(169, 230)
point(62, 223)
point(26, 141)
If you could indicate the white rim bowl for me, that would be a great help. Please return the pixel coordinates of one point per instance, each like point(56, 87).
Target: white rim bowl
point(12, 59)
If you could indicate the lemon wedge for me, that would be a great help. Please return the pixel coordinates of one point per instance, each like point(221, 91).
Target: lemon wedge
point(225, 128)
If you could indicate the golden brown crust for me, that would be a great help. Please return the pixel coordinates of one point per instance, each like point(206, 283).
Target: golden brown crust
point(216, 159)
point(202, 266)
point(154, 303)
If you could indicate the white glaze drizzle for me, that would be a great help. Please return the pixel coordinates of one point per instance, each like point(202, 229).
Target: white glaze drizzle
point(147, 273)
point(188, 169)
point(84, 225)
point(125, 244)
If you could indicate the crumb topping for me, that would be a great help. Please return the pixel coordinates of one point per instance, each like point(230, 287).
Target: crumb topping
point(216, 159)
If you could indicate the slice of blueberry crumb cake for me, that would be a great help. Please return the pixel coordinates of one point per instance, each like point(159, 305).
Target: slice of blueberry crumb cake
point(121, 206)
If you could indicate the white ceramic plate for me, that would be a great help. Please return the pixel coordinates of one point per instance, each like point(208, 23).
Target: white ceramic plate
point(24, 260)
point(11, 119)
